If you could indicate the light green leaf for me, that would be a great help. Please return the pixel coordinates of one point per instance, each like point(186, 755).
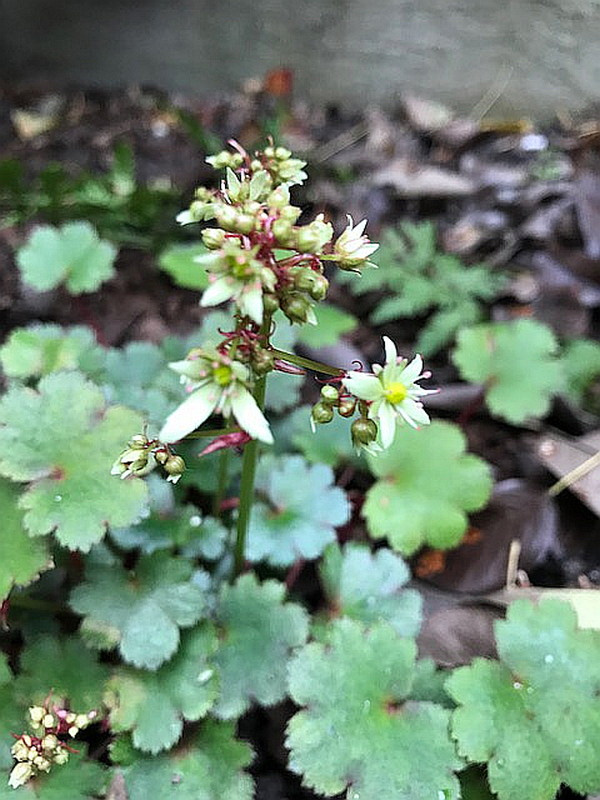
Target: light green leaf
point(517, 363)
point(154, 704)
point(65, 667)
point(305, 508)
point(426, 486)
point(535, 715)
point(141, 610)
point(72, 254)
point(358, 731)
point(581, 364)
point(212, 768)
point(41, 349)
point(332, 324)
point(179, 262)
point(63, 440)
point(21, 558)
point(259, 632)
point(368, 587)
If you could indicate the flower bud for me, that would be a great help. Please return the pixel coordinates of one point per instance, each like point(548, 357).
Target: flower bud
point(213, 238)
point(226, 216)
point(49, 721)
point(320, 287)
point(41, 763)
point(296, 308)
point(279, 198)
point(60, 756)
point(290, 213)
point(174, 466)
point(20, 774)
point(270, 303)
point(329, 394)
point(347, 407)
point(263, 361)
point(322, 413)
point(49, 742)
point(363, 430)
point(283, 232)
point(137, 442)
point(245, 223)
point(37, 713)
point(312, 238)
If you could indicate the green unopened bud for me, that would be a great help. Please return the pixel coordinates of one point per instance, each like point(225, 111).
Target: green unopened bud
point(49, 721)
point(312, 238)
point(347, 407)
point(245, 223)
point(49, 742)
point(213, 238)
point(270, 303)
point(282, 153)
point(226, 216)
point(269, 152)
point(138, 442)
point(41, 763)
point(329, 394)
point(320, 287)
point(296, 308)
point(363, 430)
point(263, 361)
point(322, 413)
point(283, 232)
point(290, 213)
point(255, 165)
point(279, 198)
point(161, 456)
point(303, 278)
point(20, 750)
point(174, 466)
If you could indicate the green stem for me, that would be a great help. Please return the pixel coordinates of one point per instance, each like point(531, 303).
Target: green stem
point(249, 462)
point(307, 363)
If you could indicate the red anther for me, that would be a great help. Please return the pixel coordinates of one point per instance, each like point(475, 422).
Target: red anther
point(235, 439)
point(291, 369)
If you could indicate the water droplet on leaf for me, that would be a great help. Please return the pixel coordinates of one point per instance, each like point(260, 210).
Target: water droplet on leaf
point(517, 685)
point(205, 675)
point(548, 659)
point(57, 498)
point(195, 521)
point(366, 706)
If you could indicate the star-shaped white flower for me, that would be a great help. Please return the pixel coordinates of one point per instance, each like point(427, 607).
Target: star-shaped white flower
point(353, 248)
point(391, 392)
point(220, 386)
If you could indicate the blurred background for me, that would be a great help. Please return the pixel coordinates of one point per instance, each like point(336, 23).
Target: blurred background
point(533, 57)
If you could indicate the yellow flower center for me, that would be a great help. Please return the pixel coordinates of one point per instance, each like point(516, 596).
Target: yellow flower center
point(222, 375)
point(396, 392)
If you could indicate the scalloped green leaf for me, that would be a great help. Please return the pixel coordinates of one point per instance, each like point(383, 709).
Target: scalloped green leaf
point(534, 716)
point(41, 349)
point(258, 634)
point(140, 610)
point(517, 363)
point(62, 439)
point(12, 716)
point(185, 528)
point(179, 262)
point(581, 364)
point(209, 768)
point(426, 485)
point(78, 779)
point(367, 587)
point(153, 705)
point(72, 254)
point(358, 731)
point(21, 557)
point(304, 510)
point(64, 666)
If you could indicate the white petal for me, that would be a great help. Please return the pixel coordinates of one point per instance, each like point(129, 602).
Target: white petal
point(415, 411)
point(391, 354)
point(365, 387)
point(411, 372)
point(185, 218)
point(250, 417)
point(359, 229)
point(387, 424)
point(250, 302)
point(218, 291)
point(191, 413)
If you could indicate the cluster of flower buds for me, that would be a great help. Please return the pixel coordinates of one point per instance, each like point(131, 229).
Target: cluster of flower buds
point(142, 455)
point(363, 430)
point(37, 751)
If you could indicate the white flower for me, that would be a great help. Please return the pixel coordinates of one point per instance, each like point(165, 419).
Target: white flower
point(353, 248)
point(20, 774)
point(220, 387)
point(392, 392)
